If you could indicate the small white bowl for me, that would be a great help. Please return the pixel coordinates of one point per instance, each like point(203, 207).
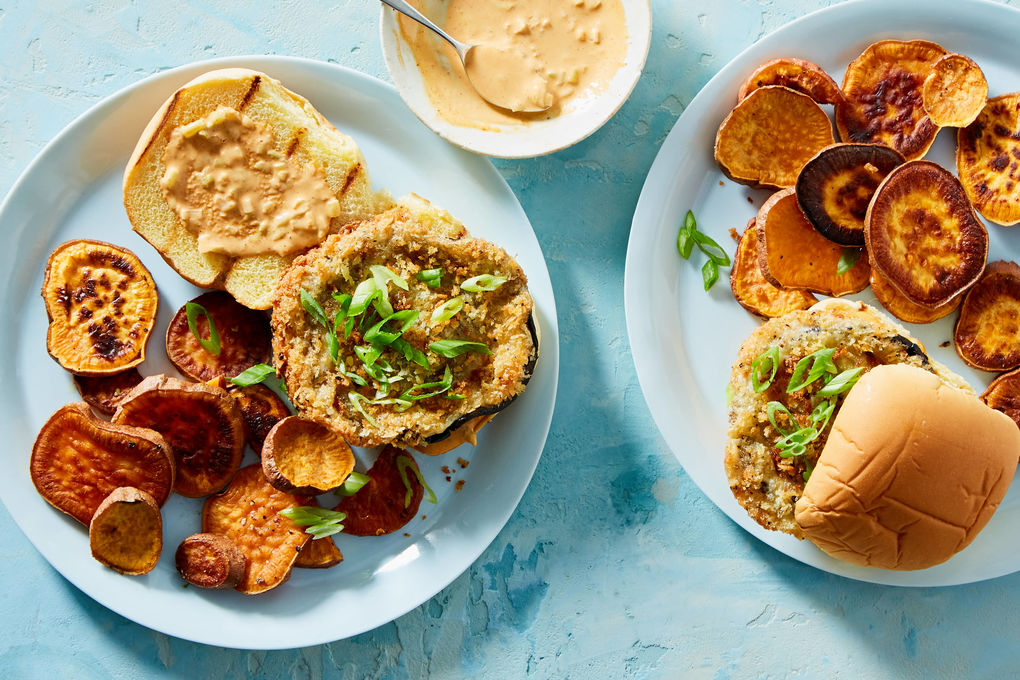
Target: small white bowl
point(535, 138)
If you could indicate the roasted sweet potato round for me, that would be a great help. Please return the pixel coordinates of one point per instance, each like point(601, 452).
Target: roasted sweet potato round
point(954, 92)
point(304, 456)
point(902, 308)
point(988, 159)
point(210, 561)
point(261, 409)
point(770, 135)
point(383, 505)
point(987, 333)
point(202, 423)
point(796, 74)
point(752, 290)
point(923, 234)
point(882, 101)
point(1004, 395)
point(126, 533)
point(793, 255)
point(78, 460)
point(101, 302)
point(244, 335)
point(248, 513)
point(103, 393)
point(319, 553)
point(836, 186)
point(465, 434)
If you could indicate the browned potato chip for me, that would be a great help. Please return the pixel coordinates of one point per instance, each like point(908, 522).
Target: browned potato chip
point(988, 331)
point(923, 235)
point(384, 505)
point(304, 456)
point(244, 335)
point(78, 460)
point(202, 423)
point(882, 97)
point(987, 155)
point(752, 290)
point(836, 186)
point(319, 553)
point(465, 434)
point(954, 92)
point(103, 393)
point(770, 135)
point(210, 561)
point(792, 254)
point(902, 308)
point(261, 409)
point(796, 74)
point(248, 513)
point(126, 533)
point(101, 302)
point(1004, 395)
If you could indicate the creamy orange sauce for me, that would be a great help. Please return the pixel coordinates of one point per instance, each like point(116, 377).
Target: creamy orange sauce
point(556, 53)
point(238, 194)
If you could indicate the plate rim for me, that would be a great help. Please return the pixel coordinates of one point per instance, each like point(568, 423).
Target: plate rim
point(546, 315)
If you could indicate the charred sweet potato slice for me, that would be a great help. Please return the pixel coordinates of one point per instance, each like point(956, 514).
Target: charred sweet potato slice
point(105, 392)
point(752, 290)
point(304, 456)
point(923, 234)
point(882, 101)
point(836, 186)
point(465, 434)
point(954, 92)
point(902, 308)
point(248, 513)
point(384, 505)
point(319, 553)
point(770, 135)
point(78, 460)
point(987, 333)
point(101, 302)
point(793, 255)
point(202, 423)
point(796, 74)
point(244, 335)
point(1004, 395)
point(261, 409)
point(210, 561)
point(988, 159)
point(126, 533)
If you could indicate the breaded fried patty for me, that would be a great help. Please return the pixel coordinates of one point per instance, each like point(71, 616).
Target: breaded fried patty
point(764, 481)
point(445, 355)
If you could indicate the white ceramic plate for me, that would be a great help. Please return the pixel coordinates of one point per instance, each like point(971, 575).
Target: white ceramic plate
point(518, 141)
point(73, 190)
point(684, 340)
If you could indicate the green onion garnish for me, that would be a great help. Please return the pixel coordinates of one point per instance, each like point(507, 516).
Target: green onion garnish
point(848, 260)
point(364, 294)
point(771, 409)
point(404, 462)
point(440, 387)
point(383, 275)
point(319, 522)
point(795, 443)
point(193, 310)
point(822, 412)
point(341, 315)
point(483, 283)
point(446, 311)
point(454, 397)
point(709, 273)
point(430, 277)
point(314, 309)
point(684, 242)
point(811, 368)
point(253, 375)
point(410, 352)
point(841, 383)
point(356, 400)
point(713, 250)
point(377, 336)
point(353, 484)
point(760, 383)
point(454, 348)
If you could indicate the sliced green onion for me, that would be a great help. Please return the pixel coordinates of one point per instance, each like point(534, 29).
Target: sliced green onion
point(483, 283)
point(454, 397)
point(377, 336)
point(684, 243)
point(410, 352)
point(811, 368)
point(341, 315)
point(822, 412)
point(454, 348)
point(771, 408)
point(759, 383)
point(404, 462)
point(690, 222)
point(356, 400)
point(713, 250)
point(314, 309)
point(253, 375)
point(848, 260)
point(795, 443)
point(441, 386)
point(841, 383)
point(432, 278)
point(353, 484)
point(319, 522)
point(709, 273)
point(383, 275)
point(364, 294)
point(446, 311)
point(193, 310)
point(401, 404)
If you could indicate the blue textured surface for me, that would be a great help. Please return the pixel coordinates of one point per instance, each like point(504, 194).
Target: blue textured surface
point(615, 565)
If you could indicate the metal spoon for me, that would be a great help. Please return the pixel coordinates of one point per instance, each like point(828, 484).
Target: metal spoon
point(483, 60)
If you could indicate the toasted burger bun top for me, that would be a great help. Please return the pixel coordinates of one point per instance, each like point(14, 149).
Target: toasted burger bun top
point(912, 470)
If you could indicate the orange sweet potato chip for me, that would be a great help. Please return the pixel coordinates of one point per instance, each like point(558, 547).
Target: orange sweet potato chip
point(210, 561)
point(954, 92)
point(103, 393)
point(988, 331)
point(792, 254)
point(796, 74)
point(752, 290)
point(988, 159)
point(1004, 395)
point(126, 533)
point(902, 308)
point(304, 456)
point(261, 409)
point(383, 505)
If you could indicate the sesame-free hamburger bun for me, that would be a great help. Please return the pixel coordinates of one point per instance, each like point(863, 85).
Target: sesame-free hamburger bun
point(912, 470)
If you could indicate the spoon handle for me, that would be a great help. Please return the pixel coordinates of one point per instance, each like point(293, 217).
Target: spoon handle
point(407, 10)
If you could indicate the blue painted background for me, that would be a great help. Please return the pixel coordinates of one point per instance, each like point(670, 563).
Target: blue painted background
point(615, 565)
